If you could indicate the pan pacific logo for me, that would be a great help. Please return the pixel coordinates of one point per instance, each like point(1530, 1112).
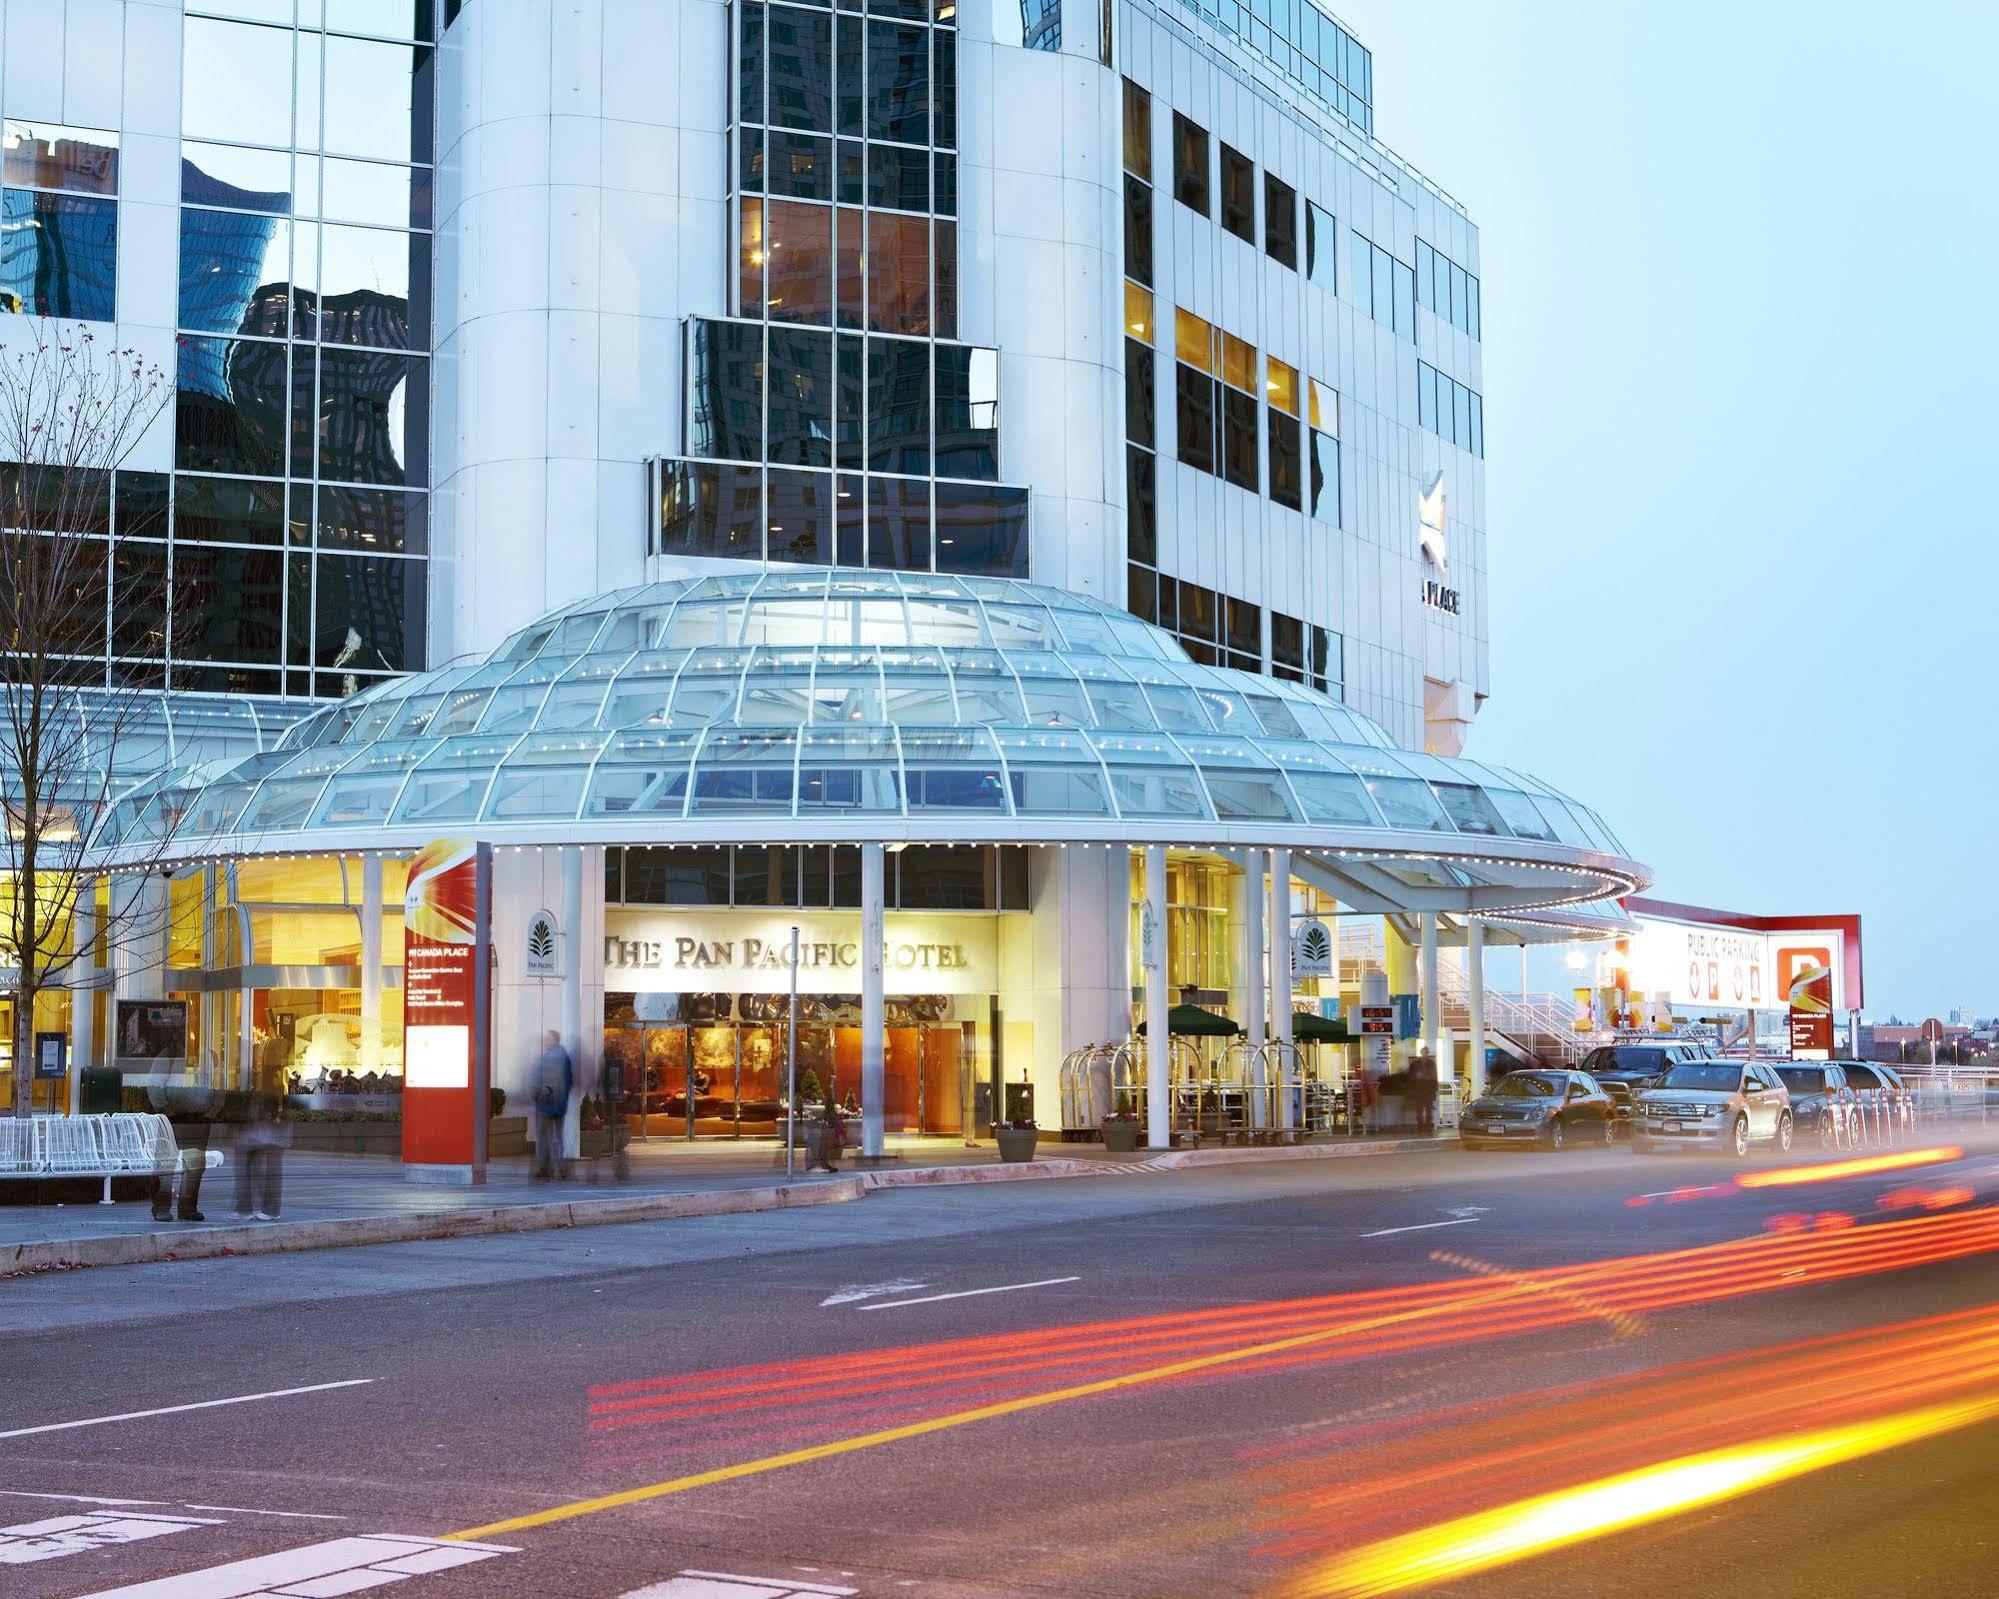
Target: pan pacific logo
point(1431, 514)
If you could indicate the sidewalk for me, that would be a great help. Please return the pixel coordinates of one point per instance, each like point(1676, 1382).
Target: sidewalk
point(335, 1201)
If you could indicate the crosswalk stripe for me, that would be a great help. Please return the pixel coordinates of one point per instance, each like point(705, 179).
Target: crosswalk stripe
point(339, 1565)
point(56, 1536)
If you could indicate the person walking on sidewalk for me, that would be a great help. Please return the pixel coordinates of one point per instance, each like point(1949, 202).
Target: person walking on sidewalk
point(1423, 1091)
point(260, 1147)
point(191, 1108)
point(554, 1083)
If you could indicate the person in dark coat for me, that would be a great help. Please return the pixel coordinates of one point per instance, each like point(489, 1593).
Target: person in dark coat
point(554, 1085)
point(1422, 1081)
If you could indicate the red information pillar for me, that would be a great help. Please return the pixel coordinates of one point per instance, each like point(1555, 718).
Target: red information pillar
point(447, 1006)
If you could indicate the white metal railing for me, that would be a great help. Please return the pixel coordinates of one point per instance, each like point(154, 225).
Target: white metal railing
point(1537, 1022)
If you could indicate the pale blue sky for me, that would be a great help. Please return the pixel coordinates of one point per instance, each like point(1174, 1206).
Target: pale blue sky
point(1741, 314)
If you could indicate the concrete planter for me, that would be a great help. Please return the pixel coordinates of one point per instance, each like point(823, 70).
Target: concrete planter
point(349, 1138)
point(507, 1135)
point(1121, 1137)
point(1016, 1144)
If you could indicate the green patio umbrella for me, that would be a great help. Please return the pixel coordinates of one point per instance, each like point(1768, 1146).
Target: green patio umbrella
point(1191, 1021)
point(1308, 1027)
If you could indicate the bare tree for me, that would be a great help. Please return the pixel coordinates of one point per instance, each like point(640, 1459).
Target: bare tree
point(72, 410)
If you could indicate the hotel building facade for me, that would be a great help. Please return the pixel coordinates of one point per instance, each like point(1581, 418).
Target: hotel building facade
point(999, 490)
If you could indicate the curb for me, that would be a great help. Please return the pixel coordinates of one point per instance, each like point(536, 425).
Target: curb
point(144, 1249)
point(215, 1243)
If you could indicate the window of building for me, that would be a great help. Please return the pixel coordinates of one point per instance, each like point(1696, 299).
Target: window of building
point(1447, 289)
point(1321, 248)
point(1239, 463)
point(1287, 647)
point(1280, 221)
point(1450, 410)
point(59, 221)
point(1190, 164)
point(1137, 132)
point(1138, 230)
point(1139, 385)
point(1383, 287)
point(1141, 498)
point(1323, 487)
point(1239, 194)
point(1286, 450)
point(1196, 416)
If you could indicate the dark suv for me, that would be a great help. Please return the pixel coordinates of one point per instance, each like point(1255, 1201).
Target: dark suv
point(1621, 1070)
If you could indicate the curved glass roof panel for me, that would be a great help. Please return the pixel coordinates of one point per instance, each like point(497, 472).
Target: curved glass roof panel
point(842, 697)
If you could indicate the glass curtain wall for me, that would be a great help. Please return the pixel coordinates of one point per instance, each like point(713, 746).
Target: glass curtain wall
point(296, 531)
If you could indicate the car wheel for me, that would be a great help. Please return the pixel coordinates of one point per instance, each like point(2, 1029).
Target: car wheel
point(1556, 1136)
point(1740, 1142)
point(1784, 1132)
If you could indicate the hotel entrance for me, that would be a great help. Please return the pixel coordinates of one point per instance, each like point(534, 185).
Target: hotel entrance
point(708, 1065)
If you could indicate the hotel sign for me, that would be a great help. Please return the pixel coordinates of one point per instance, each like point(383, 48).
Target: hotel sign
point(674, 952)
point(1431, 513)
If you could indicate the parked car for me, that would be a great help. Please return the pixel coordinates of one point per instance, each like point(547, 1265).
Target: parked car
point(1818, 1090)
point(1714, 1104)
point(1621, 1070)
point(1551, 1109)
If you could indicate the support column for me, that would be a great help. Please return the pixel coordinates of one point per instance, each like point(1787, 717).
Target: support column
point(1475, 984)
point(569, 999)
point(1158, 1042)
point(1433, 1019)
point(1255, 1004)
point(1279, 915)
point(874, 1039)
point(82, 989)
point(371, 963)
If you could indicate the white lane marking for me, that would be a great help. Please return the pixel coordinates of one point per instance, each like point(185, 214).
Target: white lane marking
point(1467, 1211)
point(728, 1585)
point(851, 1292)
point(1420, 1227)
point(175, 1410)
point(971, 1293)
point(317, 1571)
point(51, 1539)
point(245, 1510)
point(166, 1504)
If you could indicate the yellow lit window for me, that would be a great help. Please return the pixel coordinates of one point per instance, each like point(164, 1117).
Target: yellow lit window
point(1238, 363)
point(1194, 340)
point(1325, 408)
point(1137, 311)
point(1280, 384)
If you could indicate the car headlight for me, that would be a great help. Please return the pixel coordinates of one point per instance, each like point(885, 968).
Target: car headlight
point(1711, 1111)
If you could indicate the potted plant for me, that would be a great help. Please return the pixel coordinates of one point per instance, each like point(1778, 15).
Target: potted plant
point(1016, 1140)
point(594, 1128)
point(825, 1137)
point(1121, 1131)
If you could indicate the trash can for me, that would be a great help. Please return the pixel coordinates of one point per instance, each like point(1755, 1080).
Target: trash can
point(100, 1091)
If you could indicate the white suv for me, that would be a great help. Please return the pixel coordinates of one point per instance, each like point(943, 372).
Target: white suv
point(1714, 1104)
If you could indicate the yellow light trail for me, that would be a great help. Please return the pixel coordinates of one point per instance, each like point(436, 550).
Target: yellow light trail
point(1861, 1166)
point(965, 1418)
point(1547, 1522)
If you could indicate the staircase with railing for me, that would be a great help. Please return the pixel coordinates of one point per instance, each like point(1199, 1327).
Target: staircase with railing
point(1537, 1029)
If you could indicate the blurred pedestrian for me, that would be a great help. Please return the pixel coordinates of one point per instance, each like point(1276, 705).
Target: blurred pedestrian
point(260, 1145)
point(554, 1083)
point(611, 1093)
point(1423, 1090)
point(190, 1107)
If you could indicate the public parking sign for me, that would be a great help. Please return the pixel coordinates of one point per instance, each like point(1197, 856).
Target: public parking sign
point(1378, 1019)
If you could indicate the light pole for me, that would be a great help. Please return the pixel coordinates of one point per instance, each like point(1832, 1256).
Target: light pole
point(791, 1067)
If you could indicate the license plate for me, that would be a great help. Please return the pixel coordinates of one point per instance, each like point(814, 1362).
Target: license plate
point(1674, 1127)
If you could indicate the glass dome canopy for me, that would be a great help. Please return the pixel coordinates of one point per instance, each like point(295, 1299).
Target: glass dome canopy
point(841, 706)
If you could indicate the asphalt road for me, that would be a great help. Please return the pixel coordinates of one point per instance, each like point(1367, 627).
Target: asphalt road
point(1224, 1381)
